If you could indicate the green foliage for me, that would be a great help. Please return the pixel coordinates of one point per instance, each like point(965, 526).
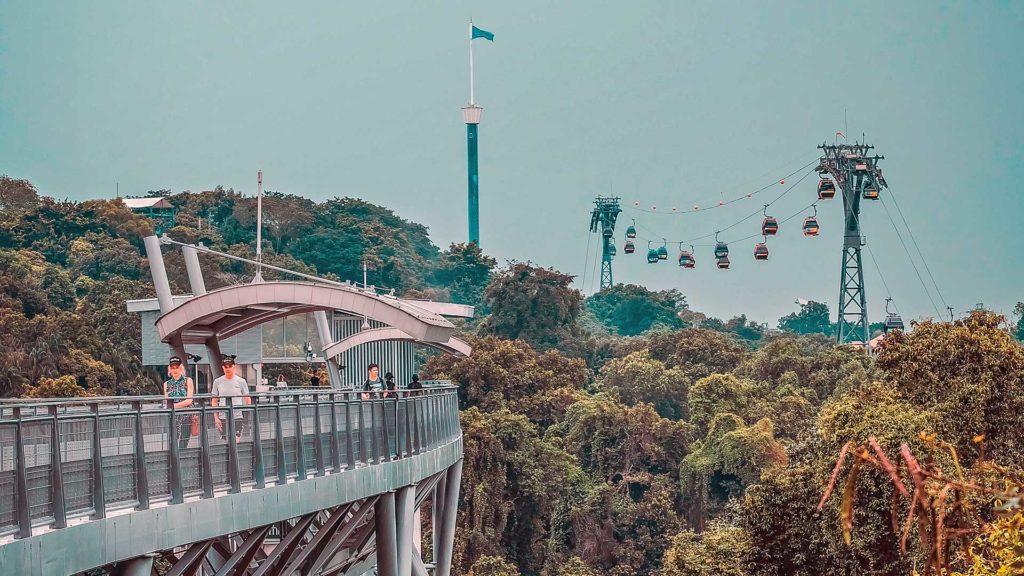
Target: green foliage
point(464, 270)
point(629, 309)
point(1018, 311)
point(813, 318)
point(639, 378)
point(493, 566)
point(694, 351)
point(722, 550)
point(531, 303)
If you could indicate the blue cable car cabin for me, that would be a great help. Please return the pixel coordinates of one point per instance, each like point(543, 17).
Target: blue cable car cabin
point(721, 250)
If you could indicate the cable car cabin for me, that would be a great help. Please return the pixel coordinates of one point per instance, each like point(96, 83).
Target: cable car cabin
point(826, 189)
point(723, 262)
point(811, 226)
point(686, 259)
point(629, 247)
point(721, 250)
point(770, 226)
point(662, 253)
point(761, 251)
point(607, 232)
point(652, 256)
point(631, 232)
point(871, 192)
point(893, 322)
point(612, 250)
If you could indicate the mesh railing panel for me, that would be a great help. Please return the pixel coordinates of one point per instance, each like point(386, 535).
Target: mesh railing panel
point(309, 436)
point(325, 432)
point(117, 443)
point(158, 432)
point(291, 441)
point(268, 437)
point(8, 456)
point(76, 438)
point(389, 414)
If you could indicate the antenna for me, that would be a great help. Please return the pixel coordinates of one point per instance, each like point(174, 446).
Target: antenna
point(259, 228)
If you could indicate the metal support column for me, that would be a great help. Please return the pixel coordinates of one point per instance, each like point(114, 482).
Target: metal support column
point(141, 566)
point(195, 272)
point(384, 519)
point(323, 329)
point(471, 116)
point(404, 521)
point(451, 509)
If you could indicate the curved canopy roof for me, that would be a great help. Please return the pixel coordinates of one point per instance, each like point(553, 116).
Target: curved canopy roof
point(229, 311)
point(451, 346)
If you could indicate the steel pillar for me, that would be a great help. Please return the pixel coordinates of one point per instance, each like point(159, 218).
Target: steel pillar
point(405, 519)
point(606, 264)
point(159, 274)
point(474, 183)
point(602, 221)
point(195, 272)
point(323, 329)
point(451, 509)
point(387, 541)
point(436, 520)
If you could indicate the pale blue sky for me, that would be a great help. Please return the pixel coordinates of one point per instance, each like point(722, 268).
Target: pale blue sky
point(670, 103)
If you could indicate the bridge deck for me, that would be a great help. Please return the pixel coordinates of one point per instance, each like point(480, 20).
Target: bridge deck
point(110, 479)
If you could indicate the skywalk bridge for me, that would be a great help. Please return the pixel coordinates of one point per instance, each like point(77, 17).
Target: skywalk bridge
point(315, 482)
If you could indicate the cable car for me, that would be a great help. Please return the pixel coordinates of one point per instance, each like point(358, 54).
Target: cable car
point(721, 250)
point(761, 251)
point(631, 231)
point(652, 256)
point(871, 191)
point(893, 322)
point(770, 226)
point(629, 247)
point(892, 319)
point(612, 250)
point(723, 262)
point(686, 259)
point(811, 226)
point(607, 232)
point(662, 253)
point(826, 189)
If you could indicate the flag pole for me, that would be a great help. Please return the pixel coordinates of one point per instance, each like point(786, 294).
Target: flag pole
point(471, 100)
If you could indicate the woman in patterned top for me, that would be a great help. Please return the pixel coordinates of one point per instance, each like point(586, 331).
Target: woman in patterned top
point(180, 387)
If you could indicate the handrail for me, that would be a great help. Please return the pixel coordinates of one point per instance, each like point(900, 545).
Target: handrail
point(79, 457)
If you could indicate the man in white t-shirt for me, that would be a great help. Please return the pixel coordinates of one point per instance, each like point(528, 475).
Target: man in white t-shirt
point(232, 386)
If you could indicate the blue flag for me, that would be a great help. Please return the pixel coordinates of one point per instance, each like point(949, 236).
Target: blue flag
point(478, 33)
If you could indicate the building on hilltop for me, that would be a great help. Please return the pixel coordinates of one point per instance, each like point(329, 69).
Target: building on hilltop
point(156, 208)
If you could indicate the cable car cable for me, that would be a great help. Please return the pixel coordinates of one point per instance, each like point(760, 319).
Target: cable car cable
point(914, 240)
point(912, 262)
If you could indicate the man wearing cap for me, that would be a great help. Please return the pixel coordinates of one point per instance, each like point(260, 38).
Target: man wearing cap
point(232, 386)
point(179, 388)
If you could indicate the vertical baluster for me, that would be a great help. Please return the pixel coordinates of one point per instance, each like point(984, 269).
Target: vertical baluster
point(99, 501)
point(60, 515)
point(204, 451)
point(174, 471)
point(282, 470)
point(335, 440)
point(318, 451)
point(233, 477)
point(141, 474)
point(258, 473)
point(349, 443)
point(300, 451)
point(385, 435)
point(375, 456)
point(24, 512)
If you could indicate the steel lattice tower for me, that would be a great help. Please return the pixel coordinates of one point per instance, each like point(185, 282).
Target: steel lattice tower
point(602, 220)
point(853, 170)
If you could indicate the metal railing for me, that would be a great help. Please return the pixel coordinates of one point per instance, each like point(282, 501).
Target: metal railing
point(62, 459)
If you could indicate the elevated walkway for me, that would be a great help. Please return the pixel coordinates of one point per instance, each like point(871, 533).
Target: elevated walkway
point(298, 482)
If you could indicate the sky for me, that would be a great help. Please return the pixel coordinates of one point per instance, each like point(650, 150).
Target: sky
point(667, 104)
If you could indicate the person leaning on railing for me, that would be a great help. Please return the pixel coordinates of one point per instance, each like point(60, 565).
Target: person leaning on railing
point(180, 386)
point(232, 386)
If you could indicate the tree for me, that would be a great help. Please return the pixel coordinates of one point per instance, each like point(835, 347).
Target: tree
point(493, 566)
point(639, 378)
point(629, 309)
point(464, 270)
point(531, 303)
point(16, 197)
point(1018, 311)
point(813, 318)
point(510, 374)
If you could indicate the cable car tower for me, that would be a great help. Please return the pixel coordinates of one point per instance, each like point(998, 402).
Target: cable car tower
point(602, 221)
point(854, 170)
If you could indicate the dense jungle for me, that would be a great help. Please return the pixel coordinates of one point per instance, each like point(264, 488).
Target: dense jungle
point(622, 433)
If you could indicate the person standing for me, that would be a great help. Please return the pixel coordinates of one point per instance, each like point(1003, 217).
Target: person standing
point(180, 388)
point(389, 385)
point(373, 385)
point(234, 387)
point(415, 385)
